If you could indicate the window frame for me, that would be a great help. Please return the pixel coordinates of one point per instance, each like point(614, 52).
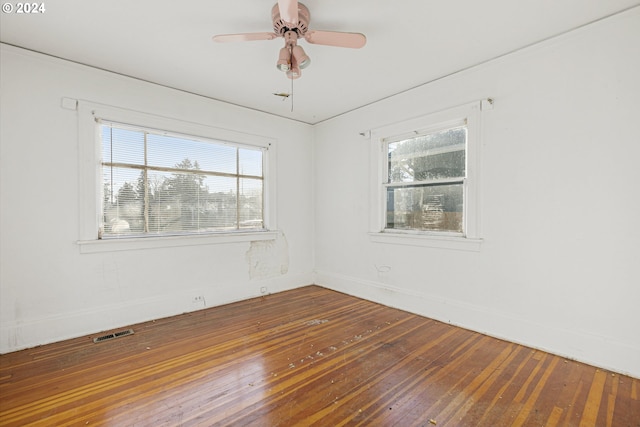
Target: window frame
point(469, 239)
point(90, 178)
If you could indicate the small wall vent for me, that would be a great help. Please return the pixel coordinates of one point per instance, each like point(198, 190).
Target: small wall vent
point(113, 335)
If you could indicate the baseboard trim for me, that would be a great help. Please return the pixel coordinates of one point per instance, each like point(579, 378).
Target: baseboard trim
point(587, 348)
point(23, 334)
point(575, 345)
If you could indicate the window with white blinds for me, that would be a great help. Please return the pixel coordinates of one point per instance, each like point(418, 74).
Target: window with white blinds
point(158, 183)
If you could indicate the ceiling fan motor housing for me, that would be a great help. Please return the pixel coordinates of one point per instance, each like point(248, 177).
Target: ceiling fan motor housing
point(280, 27)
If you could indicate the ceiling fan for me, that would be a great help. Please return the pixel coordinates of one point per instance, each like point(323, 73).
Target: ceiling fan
point(291, 22)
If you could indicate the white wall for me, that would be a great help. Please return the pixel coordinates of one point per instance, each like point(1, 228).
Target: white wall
point(50, 291)
point(560, 202)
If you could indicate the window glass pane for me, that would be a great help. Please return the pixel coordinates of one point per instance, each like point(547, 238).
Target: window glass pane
point(222, 206)
point(425, 207)
point(122, 146)
point(164, 213)
point(250, 162)
point(169, 151)
point(250, 203)
point(122, 201)
point(427, 157)
point(190, 196)
point(180, 202)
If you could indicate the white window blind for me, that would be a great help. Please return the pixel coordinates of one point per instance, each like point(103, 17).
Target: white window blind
point(159, 183)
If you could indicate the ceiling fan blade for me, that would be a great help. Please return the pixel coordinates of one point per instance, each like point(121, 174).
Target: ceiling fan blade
point(335, 38)
point(244, 37)
point(289, 11)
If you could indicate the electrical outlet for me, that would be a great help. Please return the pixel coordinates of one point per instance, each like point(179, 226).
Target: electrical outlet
point(198, 299)
point(264, 290)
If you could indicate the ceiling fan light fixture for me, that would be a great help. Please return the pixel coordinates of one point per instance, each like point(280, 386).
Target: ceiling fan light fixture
point(294, 73)
point(300, 56)
point(284, 59)
point(290, 20)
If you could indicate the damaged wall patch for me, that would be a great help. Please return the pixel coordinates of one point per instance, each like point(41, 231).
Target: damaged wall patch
point(268, 258)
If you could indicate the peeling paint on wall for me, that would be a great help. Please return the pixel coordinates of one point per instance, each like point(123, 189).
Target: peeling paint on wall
point(268, 258)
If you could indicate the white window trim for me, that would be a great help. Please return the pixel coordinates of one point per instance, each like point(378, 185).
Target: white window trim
point(89, 179)
point(471, 239)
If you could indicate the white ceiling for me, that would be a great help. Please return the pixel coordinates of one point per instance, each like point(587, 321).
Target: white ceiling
point(409, 43)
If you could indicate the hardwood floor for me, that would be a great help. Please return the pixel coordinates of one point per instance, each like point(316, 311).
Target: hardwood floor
point(306, 357)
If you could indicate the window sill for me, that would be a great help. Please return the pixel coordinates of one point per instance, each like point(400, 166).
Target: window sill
point(428, 241)
point(137, 243)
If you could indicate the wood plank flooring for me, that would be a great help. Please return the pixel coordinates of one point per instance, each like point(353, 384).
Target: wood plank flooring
point(307, 357)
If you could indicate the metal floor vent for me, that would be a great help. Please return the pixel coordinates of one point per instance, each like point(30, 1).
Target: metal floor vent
point(113, 335)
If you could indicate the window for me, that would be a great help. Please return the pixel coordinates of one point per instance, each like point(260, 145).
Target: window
point(149, 181)
point(426, 180)
point(156, 183)
point(426, 174)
